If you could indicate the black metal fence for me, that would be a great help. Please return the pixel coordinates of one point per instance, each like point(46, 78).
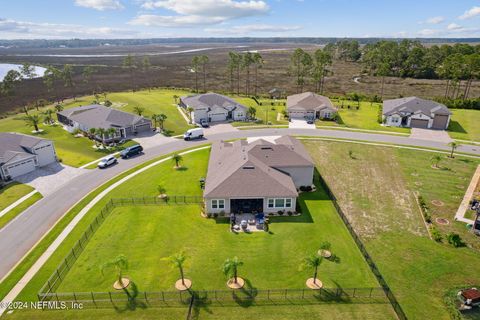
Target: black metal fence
point(388, 292)
point(209, 297)
point(59, 274)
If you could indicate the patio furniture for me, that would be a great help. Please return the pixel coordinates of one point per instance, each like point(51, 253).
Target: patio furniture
point(260, 217)
point(251, 221)
point(244, 224)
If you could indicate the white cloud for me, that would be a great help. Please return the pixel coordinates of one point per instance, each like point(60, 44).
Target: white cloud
point(474, 11)
point(12, 29)
point(188, 13)
point(427, 32)
point(252, 28)
point(435, 20)
point(454, 26)
point(100, 4)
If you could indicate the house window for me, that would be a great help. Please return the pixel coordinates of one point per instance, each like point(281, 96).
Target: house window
point(279, 203)
point(218, 204)
point(271, 203)
point(288, 203)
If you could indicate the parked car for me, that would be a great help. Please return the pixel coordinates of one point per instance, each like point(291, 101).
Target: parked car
point(191, 134)
point(107, 161)
point(204, 123)
point(131, 151)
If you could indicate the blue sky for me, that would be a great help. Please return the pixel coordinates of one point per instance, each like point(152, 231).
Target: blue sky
point(27, 19)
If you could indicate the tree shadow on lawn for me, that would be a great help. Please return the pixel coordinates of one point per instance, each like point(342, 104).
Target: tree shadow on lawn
point(455, 126)
point(132, 303)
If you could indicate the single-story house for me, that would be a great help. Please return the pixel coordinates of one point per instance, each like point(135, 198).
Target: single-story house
point(413, 112)
point(260, 176)
point(308, 105)
point(213, 107)
point(97, 116)
point(21, 154)
point(275, 93)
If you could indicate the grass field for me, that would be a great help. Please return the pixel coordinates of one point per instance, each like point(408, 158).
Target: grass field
point(375, 189)
point(19, 209)
point(265, 112)
point(12, 192)
point(464, 125)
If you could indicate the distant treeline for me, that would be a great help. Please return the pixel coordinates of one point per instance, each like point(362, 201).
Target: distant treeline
point(81, 43)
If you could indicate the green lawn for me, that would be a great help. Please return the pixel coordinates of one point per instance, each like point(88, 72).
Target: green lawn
point(12, 192)
point(363, 118)
point(374, 187)
point(265, 112)
point(19, 209)
point(464, 125)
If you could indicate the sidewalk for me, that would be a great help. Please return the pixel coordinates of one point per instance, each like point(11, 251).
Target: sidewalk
point(16, 203)
point(464, 206)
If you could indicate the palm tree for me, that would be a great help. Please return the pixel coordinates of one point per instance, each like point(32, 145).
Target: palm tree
point(435, 159)
point(32, 121)
point(101, 132)
point(190, 110)
point(111, 133)
point(177, 159)
point(139, 110)
point(161, 119)
point(161, 191)
point(313, 261)
point(454, 145)
point(177, 261)
point(48, 116)
point(155, 120)
point(58, 107)
point(91, 133)
point(119, 264)
point(230, 268)
point(252, 112)
point(175, 98)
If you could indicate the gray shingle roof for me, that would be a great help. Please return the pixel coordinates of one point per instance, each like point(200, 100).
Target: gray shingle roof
point(240, 169)
point(309, 101)
point(98, 116)
point(210, 100)
point(414, 105)
point(14, 146)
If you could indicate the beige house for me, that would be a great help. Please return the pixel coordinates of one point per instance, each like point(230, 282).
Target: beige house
point(413, 112)
point(309, 105)
point(260, 176)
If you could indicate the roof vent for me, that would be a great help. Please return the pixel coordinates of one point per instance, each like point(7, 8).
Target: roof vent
point(248, 167)
point(266, 148)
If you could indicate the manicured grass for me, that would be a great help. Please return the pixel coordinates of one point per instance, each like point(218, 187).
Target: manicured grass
point(12, 192)
point(363, 118)
point(289, 311)
point(19, 209)
point(375, 189)
point(141, 233)
point(464, 125)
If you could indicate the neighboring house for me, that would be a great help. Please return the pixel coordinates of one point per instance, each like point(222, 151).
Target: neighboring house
point(21, 154)
point(309, 105)
point(97, 116)
point(275, 93)
point(414, 112)
point(213, 107)
point(259, 176)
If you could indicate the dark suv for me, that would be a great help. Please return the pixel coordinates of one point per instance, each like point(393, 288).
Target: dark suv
point(131, 151)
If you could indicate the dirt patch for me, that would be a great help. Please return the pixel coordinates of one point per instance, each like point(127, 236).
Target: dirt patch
point(438, 203)
point(442, 221)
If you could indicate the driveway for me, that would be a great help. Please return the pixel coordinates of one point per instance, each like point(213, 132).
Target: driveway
point(300, 124)
point(431, 135)
point(217, 128)
point(50, 178)
point(151, 139)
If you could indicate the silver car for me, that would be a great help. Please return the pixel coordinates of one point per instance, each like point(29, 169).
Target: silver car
point(107, 161)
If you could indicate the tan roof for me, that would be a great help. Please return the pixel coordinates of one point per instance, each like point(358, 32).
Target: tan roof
point(309, 101)
point(240, 169)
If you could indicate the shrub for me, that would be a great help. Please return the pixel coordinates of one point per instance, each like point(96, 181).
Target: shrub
point(280, 212)
point(306, 188)
point(289, 213)
point(436, 235)
point(455, 240)
point(222, 213)
point(215, 215)
point(209, 215)
point(424, 208)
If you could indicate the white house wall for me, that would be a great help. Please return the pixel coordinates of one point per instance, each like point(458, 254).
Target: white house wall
point(45, 152)
point(209, 209)
point(301, 176)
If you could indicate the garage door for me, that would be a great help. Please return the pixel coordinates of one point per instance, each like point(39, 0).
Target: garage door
point(218, 117)
point(20, 168)
point(440, 122)
point(297, 115)
point(143, 127)
point(417, 123)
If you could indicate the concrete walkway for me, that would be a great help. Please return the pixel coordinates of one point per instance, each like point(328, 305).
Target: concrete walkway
point(183, 114)
point(465, 205)
point(61, 237)
point(16, 203)
point(300, 124)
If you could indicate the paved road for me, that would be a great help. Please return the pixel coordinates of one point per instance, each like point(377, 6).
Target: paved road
point(18, 237)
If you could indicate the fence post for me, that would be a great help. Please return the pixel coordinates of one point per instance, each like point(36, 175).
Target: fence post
point(75, 297)
point(371, 290)
point(354, 289)
point(303, 293)
point(110, 295)
point(268, 294)
point(93, 298)
point(145, 295)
